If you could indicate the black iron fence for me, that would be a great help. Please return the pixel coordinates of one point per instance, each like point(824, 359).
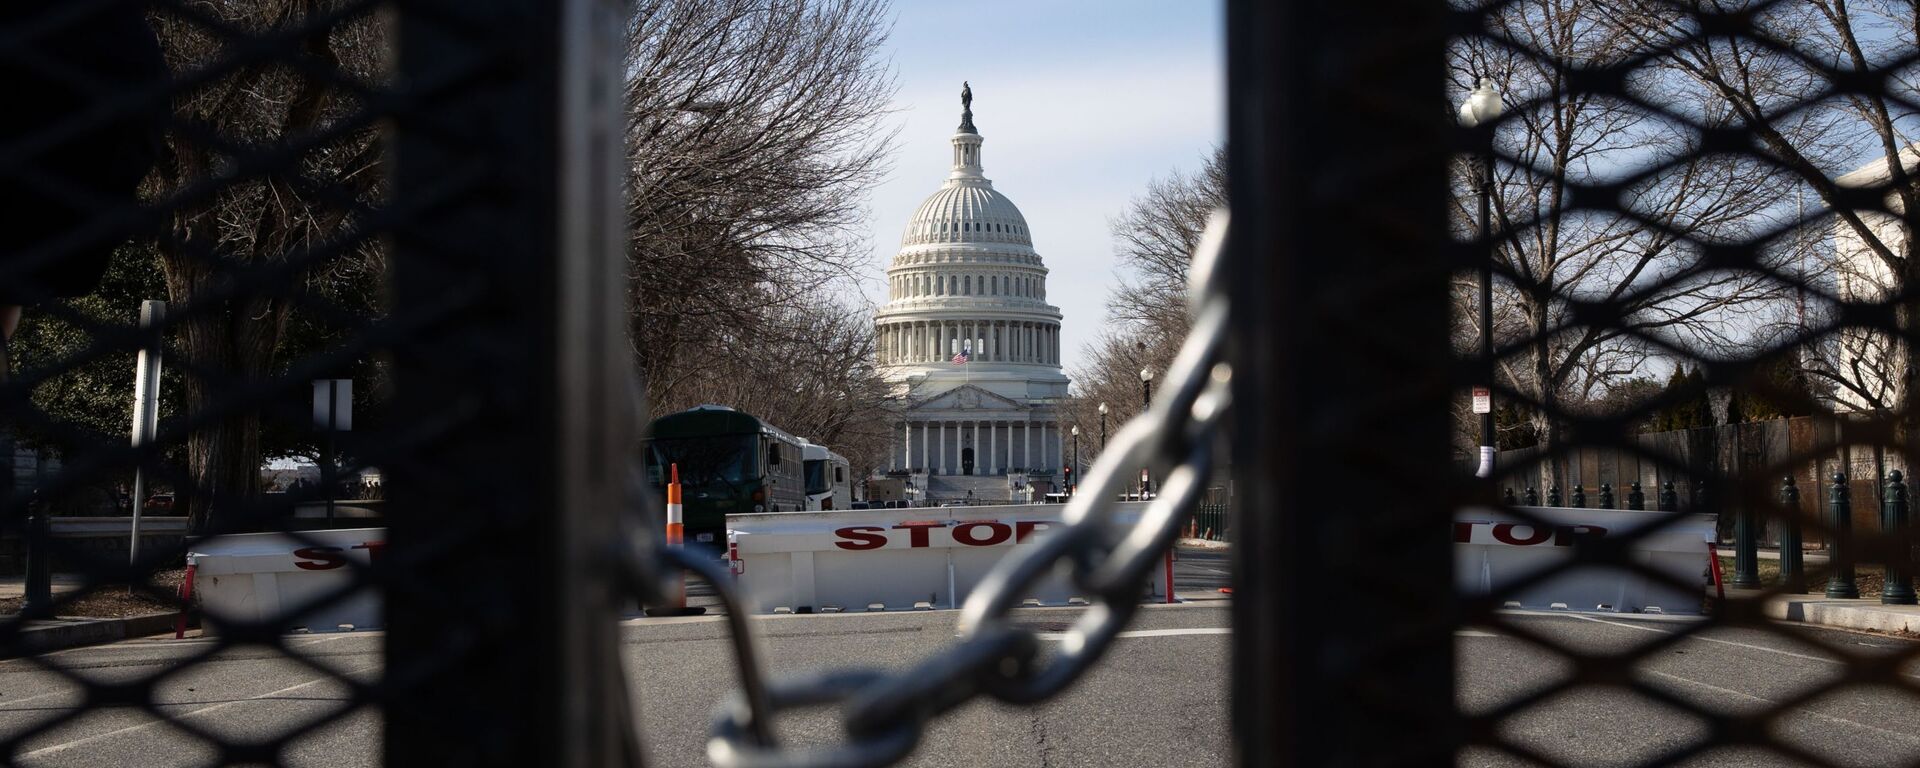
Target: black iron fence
point(1208, 521)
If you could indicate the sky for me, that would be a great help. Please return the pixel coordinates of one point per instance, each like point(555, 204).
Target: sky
point(1080, 103)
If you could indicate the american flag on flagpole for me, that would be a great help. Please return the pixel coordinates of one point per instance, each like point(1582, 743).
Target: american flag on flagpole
point(963, 357)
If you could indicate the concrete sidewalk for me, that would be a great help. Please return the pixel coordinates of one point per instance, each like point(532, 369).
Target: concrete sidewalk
point(1864, 613)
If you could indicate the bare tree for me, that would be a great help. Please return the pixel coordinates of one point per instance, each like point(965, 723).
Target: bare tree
point(754, 131)
point(808, 369)
point(282, 215)
point(1154, 242)
point(1560, 258)
point(1783, 96)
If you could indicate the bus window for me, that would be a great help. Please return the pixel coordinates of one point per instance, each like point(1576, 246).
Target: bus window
point(703, 460)
point(817, 476)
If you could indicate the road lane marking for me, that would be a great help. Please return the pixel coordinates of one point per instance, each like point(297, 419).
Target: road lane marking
point(1748, 646)
point(1149, 633)
point(13, 705)
point(1906, 737)
point(62, 747)
point(1215, 631)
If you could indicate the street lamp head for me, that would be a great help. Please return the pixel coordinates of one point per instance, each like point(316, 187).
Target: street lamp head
point(1483, 105)
point(1076, 430)
point(1103, 409)
point(1146, 374)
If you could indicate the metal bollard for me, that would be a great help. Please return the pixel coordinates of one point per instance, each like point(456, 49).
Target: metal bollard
point(1746, 549)
point(1636, 498)
point(1669, 498)
point(1533, 497)
point(1508, 498)
point(1840, 550)
point(1793, 567)
point(38, 601)
point(1606, 496)
point(1553, 496)
point(1898, 586)
point(1579, 497)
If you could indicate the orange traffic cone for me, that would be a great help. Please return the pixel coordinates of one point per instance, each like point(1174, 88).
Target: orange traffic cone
point(676, 538)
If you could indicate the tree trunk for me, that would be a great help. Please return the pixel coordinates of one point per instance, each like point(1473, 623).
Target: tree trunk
point(226, 354)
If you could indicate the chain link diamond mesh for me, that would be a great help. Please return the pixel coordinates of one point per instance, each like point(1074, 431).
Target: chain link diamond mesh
point(1674, 185)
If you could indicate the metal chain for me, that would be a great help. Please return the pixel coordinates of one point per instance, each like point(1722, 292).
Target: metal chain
point(884, 714)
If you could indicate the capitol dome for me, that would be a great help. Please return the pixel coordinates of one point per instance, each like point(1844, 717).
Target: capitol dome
point(968, 339)
point(967, 211)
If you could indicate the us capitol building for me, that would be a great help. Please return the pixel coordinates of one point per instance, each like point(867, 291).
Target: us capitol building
point(968, 280)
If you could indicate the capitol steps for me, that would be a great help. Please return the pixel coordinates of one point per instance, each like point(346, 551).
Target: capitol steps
point(985, 488)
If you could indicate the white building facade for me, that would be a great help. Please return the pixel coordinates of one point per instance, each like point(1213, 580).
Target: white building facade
point(968, 279)
point(1870, 363)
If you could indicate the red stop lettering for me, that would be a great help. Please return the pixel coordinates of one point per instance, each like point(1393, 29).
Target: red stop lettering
point(374, 549)
point(917, 532)
point(1564, 535)
point(319, 558)
point(861, 537)
point(1503, 532)
point(1463, 530)
point(996, 533)
point(1025, 528)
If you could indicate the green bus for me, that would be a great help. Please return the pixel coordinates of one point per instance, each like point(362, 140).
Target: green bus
point(730, 463)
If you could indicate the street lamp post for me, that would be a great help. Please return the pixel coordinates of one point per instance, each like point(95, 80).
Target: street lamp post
point(1483, 106)
point(1074, 481)
point(1146, 402)
point(1103, 427)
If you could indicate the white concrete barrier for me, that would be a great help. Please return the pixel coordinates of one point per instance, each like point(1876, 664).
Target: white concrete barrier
point(1493, 550)
point(265, 577)
point(891, 559)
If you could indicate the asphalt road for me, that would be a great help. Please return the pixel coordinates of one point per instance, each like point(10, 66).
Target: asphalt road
point(1159, 699)
point(1721, 671)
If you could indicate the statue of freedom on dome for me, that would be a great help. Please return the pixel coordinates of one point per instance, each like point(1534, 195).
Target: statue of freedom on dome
point(966, 96)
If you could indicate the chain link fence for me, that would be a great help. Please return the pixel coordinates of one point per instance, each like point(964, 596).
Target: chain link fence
point(423, 198)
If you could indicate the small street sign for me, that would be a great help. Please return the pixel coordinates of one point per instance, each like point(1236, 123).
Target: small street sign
point(1482, 400)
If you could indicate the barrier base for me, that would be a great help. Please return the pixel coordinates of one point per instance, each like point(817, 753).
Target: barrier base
point(691, 610)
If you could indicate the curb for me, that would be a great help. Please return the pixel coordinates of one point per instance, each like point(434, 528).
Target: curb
point(1863, 614)
point(1202, 544)
point(60, 634)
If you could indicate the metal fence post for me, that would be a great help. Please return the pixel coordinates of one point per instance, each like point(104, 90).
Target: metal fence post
point(37, 603)
point(1328, 109)
point(1897, 588)
point(1746, 550)
point(1636, 498)
point(1793, 571)
point(1840, 550)
point(500, 595)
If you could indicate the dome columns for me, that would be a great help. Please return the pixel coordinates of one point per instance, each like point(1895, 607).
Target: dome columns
point(920, 342)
